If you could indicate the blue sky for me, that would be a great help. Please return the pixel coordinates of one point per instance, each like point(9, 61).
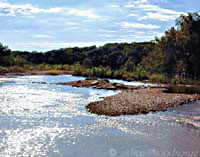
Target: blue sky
point(51, 24)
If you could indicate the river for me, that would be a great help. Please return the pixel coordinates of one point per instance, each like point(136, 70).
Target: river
point(48, 120)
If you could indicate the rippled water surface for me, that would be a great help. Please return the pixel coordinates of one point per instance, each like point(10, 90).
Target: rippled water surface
point(50, 120)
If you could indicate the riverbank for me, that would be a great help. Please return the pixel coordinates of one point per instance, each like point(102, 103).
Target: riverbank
point(46, 72)
point(140, 101)
point(94, 72)
point(48, 113)
point(133, 99)
point(100, 84)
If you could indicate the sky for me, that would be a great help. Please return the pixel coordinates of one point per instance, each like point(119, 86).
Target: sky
point(42, 25)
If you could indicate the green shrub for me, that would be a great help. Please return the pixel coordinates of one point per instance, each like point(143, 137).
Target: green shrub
point(66, 67)
point(183, 89)
point(79, 70)
point(16, 69)
point(28, 67)
point(161, 78)
point(3, 69)
point(141, 73)
point(54, 72)
point(180, 80)
point(107, 72)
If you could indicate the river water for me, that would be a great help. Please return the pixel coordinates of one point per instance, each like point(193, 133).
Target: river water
point(50, 120)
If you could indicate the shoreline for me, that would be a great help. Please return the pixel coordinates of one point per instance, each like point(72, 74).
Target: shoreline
point(141, 101)
point(46, 72)
point(100, 84)
point(132, 100)
point(69, 72)
point(65, 72)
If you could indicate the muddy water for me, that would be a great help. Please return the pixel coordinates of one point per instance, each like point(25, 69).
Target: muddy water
point(39, 120)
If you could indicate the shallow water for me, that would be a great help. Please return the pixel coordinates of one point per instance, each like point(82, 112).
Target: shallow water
point(39, 120)
point(132, 83)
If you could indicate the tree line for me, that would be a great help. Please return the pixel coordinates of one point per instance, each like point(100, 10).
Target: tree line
point(175, 54)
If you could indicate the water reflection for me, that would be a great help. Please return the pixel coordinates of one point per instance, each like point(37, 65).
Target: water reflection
point(50, 120)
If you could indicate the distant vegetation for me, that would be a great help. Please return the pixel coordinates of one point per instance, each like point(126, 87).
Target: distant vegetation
point(183, 89)
point(175, 57)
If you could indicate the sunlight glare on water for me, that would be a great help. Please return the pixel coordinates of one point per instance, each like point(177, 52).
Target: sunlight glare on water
point(51, 120)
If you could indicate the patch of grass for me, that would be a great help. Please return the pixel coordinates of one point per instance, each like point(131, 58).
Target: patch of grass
point(16, 69)
point(54, 72)
point(159, 78)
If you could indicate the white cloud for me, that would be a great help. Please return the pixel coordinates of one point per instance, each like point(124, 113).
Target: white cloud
point(157, 34)
point(84, 13)
point(8, 9)
point(130, 5)
point(111, 31)
point(42, 36)
point(135, 3)
point(54, 45)
point(144, 6)
point(144, 1)
point(114, 6)
point(141, 1)
point(156, 8)
point(133, 14)
point(74, 27)
point(106, 35)
point(158, 16)
point(140, 35)
point(152, 11)
point(54, 10)
point(138, 25)
point(72, 23)
point(140, 32)
point(107, 31)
